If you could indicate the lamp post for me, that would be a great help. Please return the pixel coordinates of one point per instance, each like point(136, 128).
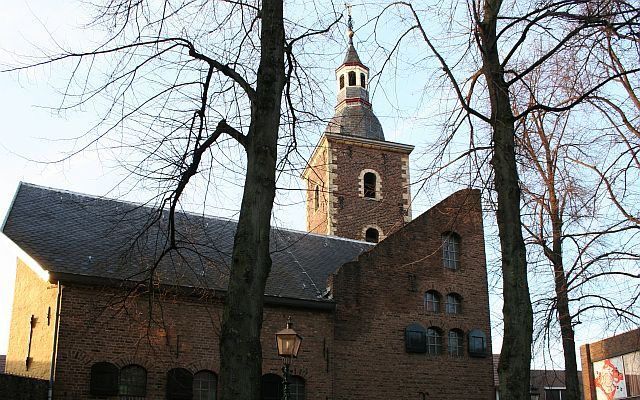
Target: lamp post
point(288, 342)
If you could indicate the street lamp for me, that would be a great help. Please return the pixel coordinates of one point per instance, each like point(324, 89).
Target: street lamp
point(288, 342)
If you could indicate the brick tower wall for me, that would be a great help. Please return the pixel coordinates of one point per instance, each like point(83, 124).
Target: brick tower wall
point(350, 212)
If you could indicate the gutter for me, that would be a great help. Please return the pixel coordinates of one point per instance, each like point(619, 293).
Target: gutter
point(54, 350)
point(189, 291)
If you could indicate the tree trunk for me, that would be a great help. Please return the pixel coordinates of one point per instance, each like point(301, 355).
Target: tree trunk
point(515, 358)
point(240, 349)
point(562, 301)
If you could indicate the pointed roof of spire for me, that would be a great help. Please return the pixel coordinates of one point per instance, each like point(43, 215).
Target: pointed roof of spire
point(352, 54)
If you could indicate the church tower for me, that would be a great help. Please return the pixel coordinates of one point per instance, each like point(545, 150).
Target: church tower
point(357, 182)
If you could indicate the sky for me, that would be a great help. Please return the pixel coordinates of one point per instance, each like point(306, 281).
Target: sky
point(32, 135)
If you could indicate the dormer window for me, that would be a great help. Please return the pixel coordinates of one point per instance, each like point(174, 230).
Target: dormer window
point(341, 81)
point(352, 78)
point(363, 80)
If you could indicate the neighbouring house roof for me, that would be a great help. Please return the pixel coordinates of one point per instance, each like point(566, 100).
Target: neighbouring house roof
point(3, 363)
point(75, 236)
point(540, 379)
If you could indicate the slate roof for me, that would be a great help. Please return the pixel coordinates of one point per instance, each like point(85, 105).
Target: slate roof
point(352, 55)
point(356, 120)
point(75, 235)
point(3, 363)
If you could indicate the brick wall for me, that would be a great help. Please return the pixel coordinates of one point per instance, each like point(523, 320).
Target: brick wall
point(33, 296)
point(382, 292)
point(93, 332)
point(614, 346)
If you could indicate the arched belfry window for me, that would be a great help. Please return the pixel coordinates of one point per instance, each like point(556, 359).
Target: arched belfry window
point(363, 80)
point(352, 78)
point(370, 185)
point(341, 81)
point(372, 235)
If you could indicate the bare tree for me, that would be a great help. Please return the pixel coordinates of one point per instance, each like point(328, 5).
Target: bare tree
point(565, 218)
point(492, 43)
point(183, 80)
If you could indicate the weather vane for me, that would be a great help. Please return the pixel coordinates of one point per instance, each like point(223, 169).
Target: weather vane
point(349, 23)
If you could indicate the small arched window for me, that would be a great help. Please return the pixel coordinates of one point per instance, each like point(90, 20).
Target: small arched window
point(451, 251)
point(352, 78)
point(454, 303)
point(363, 80)
point(271, 387)
point(316, 198)
point(432, 301)
point(372, 235)
point(205, 385)
point(133, 381)
point(415, 339)
point(369, 186)
point(297, 388)
point(456, 343)
point(179, 384)
point(477, 343)
point(434, 341)
point(341, 81)
point(104, 379)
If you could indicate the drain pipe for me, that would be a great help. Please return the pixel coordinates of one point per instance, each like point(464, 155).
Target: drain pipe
point(54, 351)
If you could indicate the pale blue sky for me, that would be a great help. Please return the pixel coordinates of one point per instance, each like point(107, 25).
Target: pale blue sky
point(30, 132)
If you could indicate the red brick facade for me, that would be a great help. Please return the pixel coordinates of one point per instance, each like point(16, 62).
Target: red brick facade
point(353, 349)
point(382, 292)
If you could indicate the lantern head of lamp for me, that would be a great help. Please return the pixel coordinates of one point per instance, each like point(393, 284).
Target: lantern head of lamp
point(288, 342)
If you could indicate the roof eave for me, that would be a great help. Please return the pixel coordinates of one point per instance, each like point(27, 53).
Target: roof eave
point(188, 291)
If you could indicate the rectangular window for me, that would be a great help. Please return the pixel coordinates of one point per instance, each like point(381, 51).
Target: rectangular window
point(554, 394)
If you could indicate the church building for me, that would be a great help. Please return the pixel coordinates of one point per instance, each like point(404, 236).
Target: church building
point(389, 307)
